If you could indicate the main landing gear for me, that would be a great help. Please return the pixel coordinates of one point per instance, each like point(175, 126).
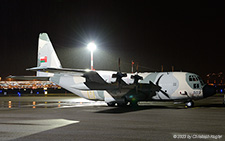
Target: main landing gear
point(121, 104)
point(113, 104)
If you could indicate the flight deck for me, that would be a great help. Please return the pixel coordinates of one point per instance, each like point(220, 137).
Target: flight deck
point(75, 118)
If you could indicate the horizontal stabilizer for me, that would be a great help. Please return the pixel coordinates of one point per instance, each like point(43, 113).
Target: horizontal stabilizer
point(29, 78)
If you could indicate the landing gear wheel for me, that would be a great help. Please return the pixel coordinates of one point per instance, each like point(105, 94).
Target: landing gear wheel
point(122, 104)
point(189, 104)
point(133, 103)
point(111, 104)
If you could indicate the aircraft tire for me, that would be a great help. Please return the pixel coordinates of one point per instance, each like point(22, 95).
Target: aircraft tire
point(133, 103)
point(122, 104)
point(189, 104)
point(111, 104)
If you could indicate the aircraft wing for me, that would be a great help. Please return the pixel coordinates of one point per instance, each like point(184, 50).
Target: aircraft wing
point(79, 72)
point(91, 76)
point(29, 78)
point(58, 70)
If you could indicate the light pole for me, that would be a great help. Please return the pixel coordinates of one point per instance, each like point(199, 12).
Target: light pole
point(91, 46)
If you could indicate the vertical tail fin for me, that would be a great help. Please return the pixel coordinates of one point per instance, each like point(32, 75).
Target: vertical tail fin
point(47, 56)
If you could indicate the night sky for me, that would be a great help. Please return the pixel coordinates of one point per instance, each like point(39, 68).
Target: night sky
point(188, 35)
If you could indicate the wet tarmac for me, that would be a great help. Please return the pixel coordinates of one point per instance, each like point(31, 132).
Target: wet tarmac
point(74, 118)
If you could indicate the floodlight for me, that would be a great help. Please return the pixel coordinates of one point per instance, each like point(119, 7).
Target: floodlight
point(91, 46)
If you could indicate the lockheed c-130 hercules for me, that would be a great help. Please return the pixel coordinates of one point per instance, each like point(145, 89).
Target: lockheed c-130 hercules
point(118, 87)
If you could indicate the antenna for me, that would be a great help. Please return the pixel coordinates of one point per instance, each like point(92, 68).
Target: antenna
point(137, 68)
point(132, 66)
point(172, 68)
point(119, 64)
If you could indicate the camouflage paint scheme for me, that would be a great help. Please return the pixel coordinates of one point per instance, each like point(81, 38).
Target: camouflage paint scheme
point(169, 83)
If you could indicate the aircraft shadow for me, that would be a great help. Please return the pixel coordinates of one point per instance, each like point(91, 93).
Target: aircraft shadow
point(211, 106)
point(126, 109)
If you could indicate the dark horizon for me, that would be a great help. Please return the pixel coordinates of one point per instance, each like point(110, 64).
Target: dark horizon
point(187, 35)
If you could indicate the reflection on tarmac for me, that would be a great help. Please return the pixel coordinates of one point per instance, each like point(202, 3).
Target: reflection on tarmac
point(46, 102)
point(73, 101)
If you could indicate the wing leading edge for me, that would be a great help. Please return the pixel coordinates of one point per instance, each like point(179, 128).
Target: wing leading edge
point(58, 70)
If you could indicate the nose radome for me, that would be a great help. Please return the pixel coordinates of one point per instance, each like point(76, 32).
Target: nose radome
point(208, 91)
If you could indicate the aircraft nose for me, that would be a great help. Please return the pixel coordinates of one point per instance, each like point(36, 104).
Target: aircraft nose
point(208, 91)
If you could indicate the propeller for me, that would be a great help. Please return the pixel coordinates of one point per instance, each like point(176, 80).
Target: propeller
point(119, 75)
point(136, 78)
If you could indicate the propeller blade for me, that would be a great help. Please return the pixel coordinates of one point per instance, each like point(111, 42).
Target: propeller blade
point(157, 83)
point(137, 68)
point(119, 65)
point(119, 75)
point(165, 93)
point(136, 78)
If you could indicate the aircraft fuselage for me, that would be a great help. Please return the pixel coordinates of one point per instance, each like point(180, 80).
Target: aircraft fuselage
point(163, 86)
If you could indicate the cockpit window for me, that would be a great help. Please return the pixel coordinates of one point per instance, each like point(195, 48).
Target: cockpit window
point(194, 81)
point(190, 78)
point(194, 78)
point(196, 86)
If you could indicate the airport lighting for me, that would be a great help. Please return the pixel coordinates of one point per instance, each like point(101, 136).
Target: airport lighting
point(91, 46)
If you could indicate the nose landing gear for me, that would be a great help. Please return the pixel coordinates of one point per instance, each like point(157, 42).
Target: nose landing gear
point(189, 104)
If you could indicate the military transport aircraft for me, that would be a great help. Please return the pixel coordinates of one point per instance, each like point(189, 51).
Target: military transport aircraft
point(118, 87)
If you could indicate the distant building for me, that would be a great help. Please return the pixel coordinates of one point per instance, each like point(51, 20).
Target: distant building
point(26, 84)
point(217, 80)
